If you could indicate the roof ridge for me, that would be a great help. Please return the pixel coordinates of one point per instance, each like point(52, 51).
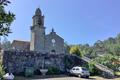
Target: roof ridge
point(20, 41)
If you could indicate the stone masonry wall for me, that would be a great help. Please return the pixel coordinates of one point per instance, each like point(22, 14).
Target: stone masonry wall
point(17, 61)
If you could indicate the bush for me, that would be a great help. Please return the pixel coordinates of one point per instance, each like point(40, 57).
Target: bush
point(53, 71)
point(29, 72)
point(93, 70)
point(37, 72)
point(2, 72)
point(117, 73)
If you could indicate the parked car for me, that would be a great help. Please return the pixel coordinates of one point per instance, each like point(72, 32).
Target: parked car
point(80, 72)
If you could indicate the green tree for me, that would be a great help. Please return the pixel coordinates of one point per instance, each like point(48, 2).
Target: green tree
point(6, 45)
point(85, 49)
point(2, 72)
point(6, 18)
point(76, 50)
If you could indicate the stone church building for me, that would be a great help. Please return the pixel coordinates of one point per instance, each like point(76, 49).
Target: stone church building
point(40, 41)
point(33, 56)
point(43, 51)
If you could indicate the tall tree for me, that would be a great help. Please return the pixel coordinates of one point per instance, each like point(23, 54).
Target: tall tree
point(6, 18)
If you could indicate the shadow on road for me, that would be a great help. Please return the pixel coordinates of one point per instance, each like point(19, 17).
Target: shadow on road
point(39, 77)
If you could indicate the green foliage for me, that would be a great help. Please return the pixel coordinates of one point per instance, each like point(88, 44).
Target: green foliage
point(105, 52)
point(107, 60)
point(6, 18)
point(91, 66)
point(76, 50)
point(85, 49)
point(117, 73)
point(111, 52)
point(93, 70)
point(68, 62)
point(2, 72)
point(53, 71)
point(29, 71)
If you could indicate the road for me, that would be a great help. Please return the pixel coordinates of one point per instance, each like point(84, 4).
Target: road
point(65, 78)
point(76, 78)
point(62, 78)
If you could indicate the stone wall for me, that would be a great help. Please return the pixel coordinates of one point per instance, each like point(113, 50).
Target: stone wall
point(17, 61)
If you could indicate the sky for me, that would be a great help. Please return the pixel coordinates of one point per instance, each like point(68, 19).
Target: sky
point(77, 21)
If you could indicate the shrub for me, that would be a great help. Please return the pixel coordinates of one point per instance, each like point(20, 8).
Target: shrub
point(53, 71)
point(37, 72)
point(2, 72)
point(76, 50)
point(117, 73)
point(29, 71)
point(93, 70)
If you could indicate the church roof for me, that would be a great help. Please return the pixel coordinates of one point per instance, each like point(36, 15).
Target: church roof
point(21, 45)
point(54, 34)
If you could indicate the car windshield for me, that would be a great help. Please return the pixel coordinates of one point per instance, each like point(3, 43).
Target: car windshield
point(85, 69)
point(77, 68)
point(73, 69)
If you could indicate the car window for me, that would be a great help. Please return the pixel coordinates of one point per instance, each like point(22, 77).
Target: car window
point(77, 68)
point(73, 69)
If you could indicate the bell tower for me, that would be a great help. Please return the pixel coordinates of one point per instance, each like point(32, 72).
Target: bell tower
point(37, 42)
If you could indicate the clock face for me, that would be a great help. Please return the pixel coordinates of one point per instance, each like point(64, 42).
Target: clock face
point(53, 40)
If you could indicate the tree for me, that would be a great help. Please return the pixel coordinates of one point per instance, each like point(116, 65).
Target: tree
point(76, 50)
point(6, 45)
point(85, 49)
point(6, 18)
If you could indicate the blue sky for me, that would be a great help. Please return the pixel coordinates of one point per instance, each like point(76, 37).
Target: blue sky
point(77, 21)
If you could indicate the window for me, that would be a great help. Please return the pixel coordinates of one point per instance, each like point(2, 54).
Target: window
point(73, 69)
point(77, 68)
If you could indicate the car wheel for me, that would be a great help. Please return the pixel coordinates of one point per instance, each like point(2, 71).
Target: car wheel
point(79, 75)
point(87, 76)
point(69, 74)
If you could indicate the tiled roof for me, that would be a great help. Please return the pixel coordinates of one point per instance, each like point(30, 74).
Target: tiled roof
point(21, 45)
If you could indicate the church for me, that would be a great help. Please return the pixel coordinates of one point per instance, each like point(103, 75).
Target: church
point(43, 51)
point(40, 41)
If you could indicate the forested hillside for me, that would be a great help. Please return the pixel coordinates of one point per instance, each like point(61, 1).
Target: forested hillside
point(105, 52)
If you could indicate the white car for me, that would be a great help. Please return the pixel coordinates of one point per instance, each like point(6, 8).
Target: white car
point(80, 72)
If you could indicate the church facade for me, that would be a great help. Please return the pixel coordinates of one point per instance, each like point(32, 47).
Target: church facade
point(40, 41)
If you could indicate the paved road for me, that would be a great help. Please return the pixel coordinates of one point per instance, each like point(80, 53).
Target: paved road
point(63, 77)
point(76, 78)
point(66, 78)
